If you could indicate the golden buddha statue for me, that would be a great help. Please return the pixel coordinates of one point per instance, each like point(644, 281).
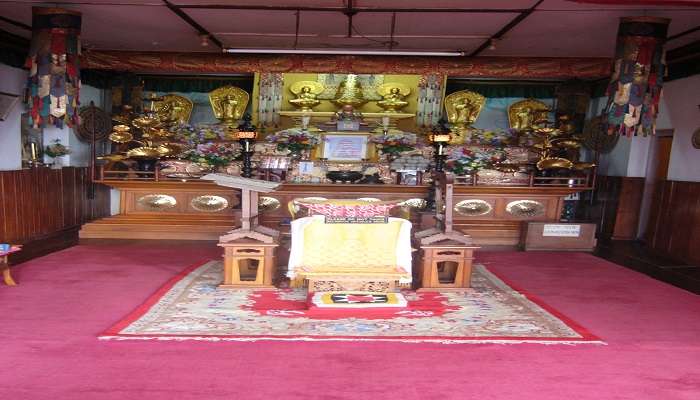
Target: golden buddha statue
point(174, 108)
point(350, 92)
point(463, 109)
point(305, 92)
point(393, 96)
point(228, 103)
point(524, 115)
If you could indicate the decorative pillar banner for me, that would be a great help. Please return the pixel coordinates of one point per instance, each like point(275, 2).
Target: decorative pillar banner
point(270, 99)
point(54, 75)
point(430, 91)
point(638, 70)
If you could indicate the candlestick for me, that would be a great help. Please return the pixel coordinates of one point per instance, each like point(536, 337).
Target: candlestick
point(32, 145)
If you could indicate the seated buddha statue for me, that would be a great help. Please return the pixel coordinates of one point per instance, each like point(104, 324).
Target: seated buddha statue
point(393, 101)
point(350, 93)
point(305, 100)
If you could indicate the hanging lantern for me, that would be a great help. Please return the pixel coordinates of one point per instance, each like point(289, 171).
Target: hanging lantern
point(54, 76)
point(638, 70)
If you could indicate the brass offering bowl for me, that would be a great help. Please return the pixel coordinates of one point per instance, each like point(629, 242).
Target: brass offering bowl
point(169, 149)
point(144, 153)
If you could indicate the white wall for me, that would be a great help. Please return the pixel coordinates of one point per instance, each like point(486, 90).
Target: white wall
point(680, 110)
point(12, 80)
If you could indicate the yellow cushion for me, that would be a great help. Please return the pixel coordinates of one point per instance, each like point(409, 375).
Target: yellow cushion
point(350, 245)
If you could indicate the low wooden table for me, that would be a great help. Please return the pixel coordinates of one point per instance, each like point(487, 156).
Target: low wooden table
point(5, 265)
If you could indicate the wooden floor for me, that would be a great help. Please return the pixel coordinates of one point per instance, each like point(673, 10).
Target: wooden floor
point(636, 256)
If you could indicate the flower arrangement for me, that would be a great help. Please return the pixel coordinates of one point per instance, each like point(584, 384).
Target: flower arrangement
point(500, 138)
point(395, 143)
point(194, 135)
point(56, 149)
point(466, 159)
point(213, 154)
point(294, 140)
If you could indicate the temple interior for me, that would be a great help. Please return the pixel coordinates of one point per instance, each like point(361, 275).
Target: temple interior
point(331, 199)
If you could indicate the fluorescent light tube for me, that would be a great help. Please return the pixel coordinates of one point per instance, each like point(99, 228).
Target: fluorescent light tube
point(346, 52)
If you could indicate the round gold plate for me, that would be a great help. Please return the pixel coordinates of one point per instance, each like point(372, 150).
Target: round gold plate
point(209, 203)
point(157, 202)
point(473, 207)
point(266, 203)
point(525, 208)
point(417, 204)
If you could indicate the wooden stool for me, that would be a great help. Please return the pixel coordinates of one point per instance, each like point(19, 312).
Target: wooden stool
point(5, 265)
point(248, 264)
point(446, 266)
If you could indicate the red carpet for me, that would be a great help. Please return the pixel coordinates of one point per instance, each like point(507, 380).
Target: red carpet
point(49, 350)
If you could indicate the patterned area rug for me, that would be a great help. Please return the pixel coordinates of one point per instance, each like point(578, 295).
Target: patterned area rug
point(191, 307)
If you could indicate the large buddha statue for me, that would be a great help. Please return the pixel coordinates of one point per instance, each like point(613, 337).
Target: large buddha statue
point(228, 103)
point(349, 92)
point(393, 96)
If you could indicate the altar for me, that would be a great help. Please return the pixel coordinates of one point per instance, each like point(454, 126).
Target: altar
point(341, 136)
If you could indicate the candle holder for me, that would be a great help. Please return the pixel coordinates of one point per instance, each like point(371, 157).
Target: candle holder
point(246, 135)
point(439, 140)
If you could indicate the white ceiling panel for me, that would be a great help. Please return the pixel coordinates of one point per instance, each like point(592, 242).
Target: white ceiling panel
point(216, 21)
point(585, 34)
point(451, 23)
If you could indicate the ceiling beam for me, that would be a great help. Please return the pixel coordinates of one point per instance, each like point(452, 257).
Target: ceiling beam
point(199, 28)
point(681, 34)
point(15, 23)
point(512, 24)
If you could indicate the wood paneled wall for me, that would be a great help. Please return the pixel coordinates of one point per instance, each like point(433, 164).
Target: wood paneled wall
point(43, 208)
point(674, 223)
point(616, 206)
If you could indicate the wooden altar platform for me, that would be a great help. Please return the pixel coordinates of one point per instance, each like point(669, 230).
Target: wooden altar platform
point(201, 210)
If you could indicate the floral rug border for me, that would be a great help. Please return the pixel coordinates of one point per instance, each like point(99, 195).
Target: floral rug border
point(114, 332)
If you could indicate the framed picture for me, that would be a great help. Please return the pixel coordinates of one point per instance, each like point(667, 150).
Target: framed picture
point(7, 102)
point(347, 146)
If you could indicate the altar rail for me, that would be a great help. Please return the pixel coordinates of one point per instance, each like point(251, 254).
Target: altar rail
point(584, 181)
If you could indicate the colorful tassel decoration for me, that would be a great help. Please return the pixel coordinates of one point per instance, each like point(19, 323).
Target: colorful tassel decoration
point(53, 86)
point(639, 67)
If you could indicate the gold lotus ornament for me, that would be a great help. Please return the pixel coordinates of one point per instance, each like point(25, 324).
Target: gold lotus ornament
point(169, 149)
point(306, 92)
point(112, 157)
point(121, 134)
point(566, 143)
point(145, 122)
point(157, 202)
point(525, 208)
point(143, 152)
point(554, 163)
point(582, 166)
point(209, 203)
point(473, 207)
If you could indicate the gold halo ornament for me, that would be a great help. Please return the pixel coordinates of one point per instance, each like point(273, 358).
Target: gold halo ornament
point(525, 208)
point(473, 207)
